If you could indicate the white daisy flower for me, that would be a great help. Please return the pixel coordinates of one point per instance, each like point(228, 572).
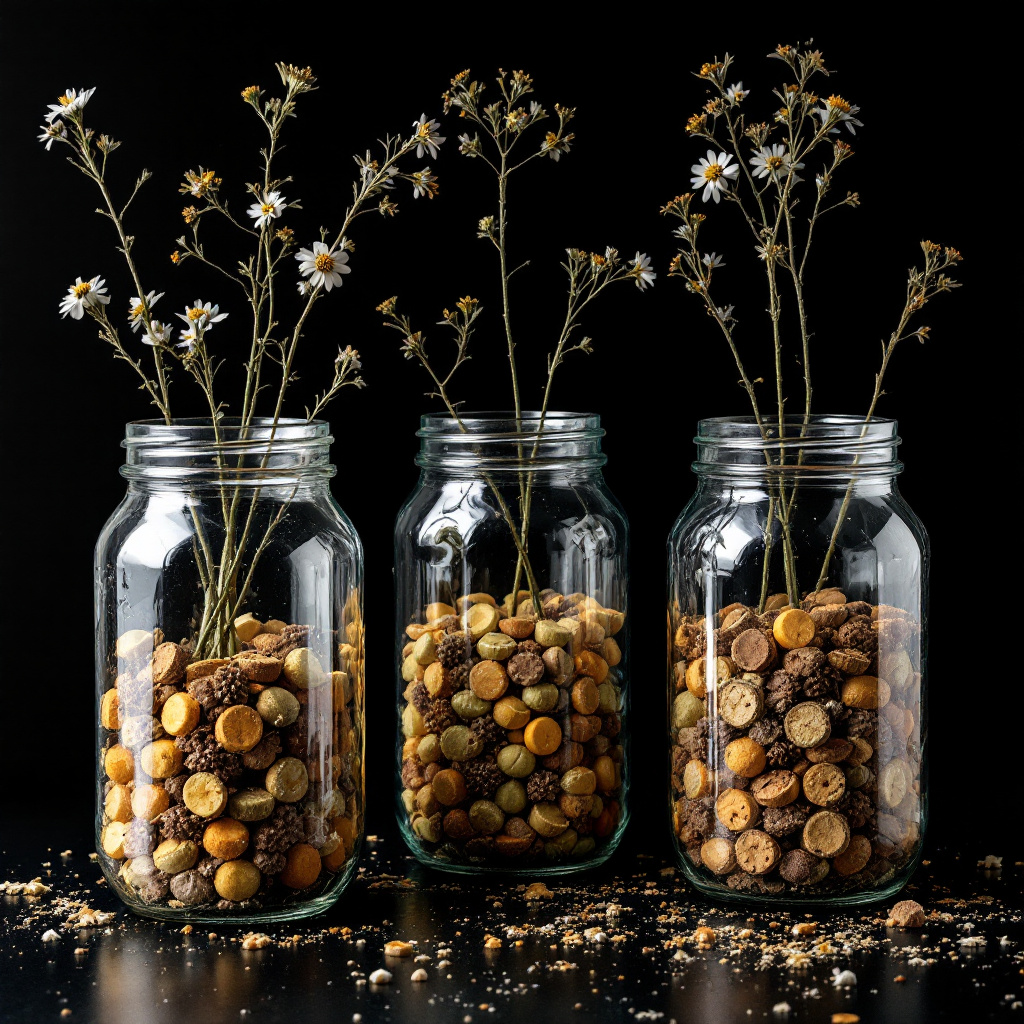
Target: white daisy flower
point(52, 132)
point(158, 333)
point(423, 184)
point(771, 160)
point(713, 173)
point(189, 339)
point(137, 308)
point(736, 93)
point(725, 313)
point(68, 103)
point(427, 138)
point(641, 271)
point(82, 294)
point(349, 355)
point(839, 111)
point(271, 208)
point(555, 146)
point(712, 260)
point(323, 266)
point(199, 318)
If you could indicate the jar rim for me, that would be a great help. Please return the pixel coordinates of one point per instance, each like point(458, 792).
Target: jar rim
point(821, 445)
point(201, 430)
point(501, 424)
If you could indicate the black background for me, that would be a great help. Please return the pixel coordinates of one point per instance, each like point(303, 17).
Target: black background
point(933, 161)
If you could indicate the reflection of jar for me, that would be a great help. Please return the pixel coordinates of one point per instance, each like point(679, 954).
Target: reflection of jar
point(513, 660)
point(229, 675)
point(798, 615)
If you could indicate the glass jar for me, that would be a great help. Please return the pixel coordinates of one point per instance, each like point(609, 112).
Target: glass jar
point(798, 583)
point(512, 654)
point(229, 671)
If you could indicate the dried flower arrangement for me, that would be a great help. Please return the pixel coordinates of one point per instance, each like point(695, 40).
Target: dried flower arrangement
point(275, 331)
point(755, 166)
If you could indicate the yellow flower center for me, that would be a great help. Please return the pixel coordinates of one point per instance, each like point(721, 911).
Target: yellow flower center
point(65, 101)
point(839, 103)
point(83, 289)
point(713, 172)
point(267, 208)
point(773, 163)
point(138, 310)
point(423, 131)
point(196, 313)
point(324, 263)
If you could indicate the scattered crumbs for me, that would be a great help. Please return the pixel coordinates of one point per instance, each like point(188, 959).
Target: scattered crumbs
point(418, 975)
point(538, 891)
point(380, 977)
point(34, 888)
point(781, 1010)
point(51, 936)
point(843, 979)
point(991, 863)
point(255, 940)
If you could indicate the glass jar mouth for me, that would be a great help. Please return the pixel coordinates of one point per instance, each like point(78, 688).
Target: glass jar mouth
point(821, 445)
point(495, 440)
point(194, 447)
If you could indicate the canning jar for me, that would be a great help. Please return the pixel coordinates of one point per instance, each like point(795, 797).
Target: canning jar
point(511, 655)
point(229, 672)
point(798, 584)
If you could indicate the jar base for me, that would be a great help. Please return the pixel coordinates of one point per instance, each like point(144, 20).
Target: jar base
point(806, 898)
point(533, 870)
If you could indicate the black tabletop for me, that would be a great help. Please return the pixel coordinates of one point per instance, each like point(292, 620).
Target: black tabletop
point(616, 943)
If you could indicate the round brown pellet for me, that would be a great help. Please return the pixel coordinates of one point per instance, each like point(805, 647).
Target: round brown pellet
point(117, 804)
point(205, 794)
point(239, 728)
point(798, 867)
point(149, 801)
point(456, 824)
point(169, 662)
point(511, 713)
point(225, 838)
point(585, 696)
point(237, 880)
point(855, 857)
point(718, 855)
point(110, 711)
point(861, 752)
point(696, 780)
point(161, 759)
point(793, 628)
point(740, 704)
point(745, 757)
point(824, 784)
point(287, 780)
point(180, 714)
point(517, 628)
point(119, 764)
point(832, 751)
point(547, 820)
point(604, 769)
point(776, 788)
point(807, 724)
point(756, 852)
point(449, 787)
point(737, 810)
point(259, 668)
point(542, 736)
point(302, 867)
point(865, 692)
point(558, 665)
point(826, 834)
point(488, 679)
point(753, 651)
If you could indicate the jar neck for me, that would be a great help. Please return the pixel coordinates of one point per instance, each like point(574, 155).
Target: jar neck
point(197, 452)
point(823, 449)
point(557, 443)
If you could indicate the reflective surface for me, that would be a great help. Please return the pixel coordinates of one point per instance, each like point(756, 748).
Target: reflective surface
point(141, 971)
